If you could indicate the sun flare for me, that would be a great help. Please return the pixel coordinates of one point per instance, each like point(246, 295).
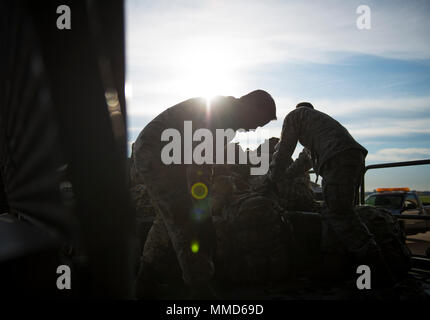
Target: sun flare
point(208, 69)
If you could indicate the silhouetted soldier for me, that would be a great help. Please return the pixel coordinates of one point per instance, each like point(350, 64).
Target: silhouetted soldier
point(180, 192)
point(339, 159)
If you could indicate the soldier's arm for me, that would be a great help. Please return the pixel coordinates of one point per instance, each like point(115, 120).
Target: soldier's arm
point(287, 145)
point(302, 164)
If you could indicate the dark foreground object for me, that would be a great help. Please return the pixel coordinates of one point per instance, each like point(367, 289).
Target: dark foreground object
point(269, 247)
point(266, 252)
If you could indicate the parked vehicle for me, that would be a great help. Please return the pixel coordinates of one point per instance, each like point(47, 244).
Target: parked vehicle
point(402, 201)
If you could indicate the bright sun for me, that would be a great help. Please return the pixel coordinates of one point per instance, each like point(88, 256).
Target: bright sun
point(208, 69)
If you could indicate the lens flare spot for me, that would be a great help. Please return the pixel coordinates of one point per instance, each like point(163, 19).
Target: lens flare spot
point(199, 190)
point(199, 213)
point(195, 246)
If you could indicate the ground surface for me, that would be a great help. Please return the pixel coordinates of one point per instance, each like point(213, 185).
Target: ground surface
point(425, 199)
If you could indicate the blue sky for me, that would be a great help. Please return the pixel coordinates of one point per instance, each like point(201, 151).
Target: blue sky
point(376, 82)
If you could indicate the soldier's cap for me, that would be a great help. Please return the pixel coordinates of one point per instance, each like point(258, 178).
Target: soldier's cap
point(260, 103)
point(305, 104)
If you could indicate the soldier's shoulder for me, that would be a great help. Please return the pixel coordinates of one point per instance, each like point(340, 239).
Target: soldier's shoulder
point(300, 113)
point(186, 106)
point(315, 115)
point(189, 102)
point(291, 114)
point(223, 101)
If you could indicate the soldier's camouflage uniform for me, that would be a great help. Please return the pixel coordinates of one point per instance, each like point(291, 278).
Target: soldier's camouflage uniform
point(180, 217)
point(295, 191)
point(339, 159)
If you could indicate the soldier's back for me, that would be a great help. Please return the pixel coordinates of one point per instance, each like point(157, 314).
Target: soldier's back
point(322, 134)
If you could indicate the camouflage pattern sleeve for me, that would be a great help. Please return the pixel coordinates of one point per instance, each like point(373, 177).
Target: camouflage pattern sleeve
point(302, 164)
point(287, 145)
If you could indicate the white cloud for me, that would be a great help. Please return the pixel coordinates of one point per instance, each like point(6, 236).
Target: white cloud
point(376, 106)
point(388, 128)
point(256, 33)
point(387, 131)
point(399, 154)
point(274, 31)
point(230, 38)
point(233, 38)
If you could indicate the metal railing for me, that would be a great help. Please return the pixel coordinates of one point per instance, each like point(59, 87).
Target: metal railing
point(419, 263)
point(388, 165)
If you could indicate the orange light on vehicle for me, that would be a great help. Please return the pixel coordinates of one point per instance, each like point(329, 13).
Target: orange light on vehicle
point(392, 189)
